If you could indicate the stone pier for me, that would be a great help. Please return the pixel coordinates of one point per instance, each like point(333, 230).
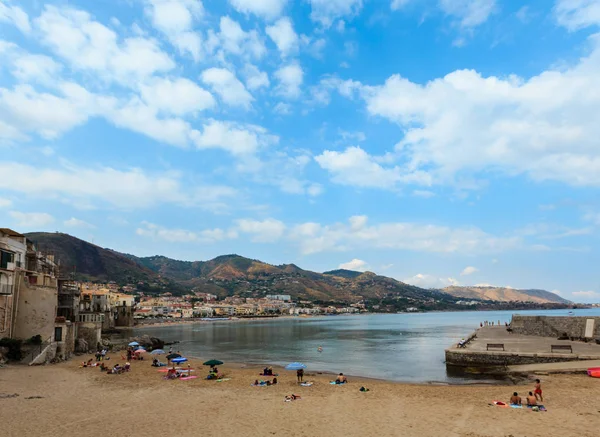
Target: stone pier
point(518, 349)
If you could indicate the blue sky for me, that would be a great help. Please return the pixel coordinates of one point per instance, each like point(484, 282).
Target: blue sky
point(434, 141)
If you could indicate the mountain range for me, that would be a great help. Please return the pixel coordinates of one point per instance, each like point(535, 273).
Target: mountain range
point(229, 275)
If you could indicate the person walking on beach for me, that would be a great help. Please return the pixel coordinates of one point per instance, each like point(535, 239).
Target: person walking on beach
point(538, 390)
point(300, 374)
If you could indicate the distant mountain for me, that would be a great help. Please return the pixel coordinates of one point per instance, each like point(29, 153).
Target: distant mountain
point(225, 275)
point(234, 275)
point(94, 263)
point(343, 273)
point(503, 294)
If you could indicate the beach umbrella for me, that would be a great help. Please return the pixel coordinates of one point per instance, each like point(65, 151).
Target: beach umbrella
point(157, 352)
point(179, 360)
point(171, 356)
point(134, 343)
point(213, 363)
point(139, 347)
point(295, 366)
point(140, 351)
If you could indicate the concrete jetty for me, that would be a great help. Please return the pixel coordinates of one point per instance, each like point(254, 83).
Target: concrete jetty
point(519, 349)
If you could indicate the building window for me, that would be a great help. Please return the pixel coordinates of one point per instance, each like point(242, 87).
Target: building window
point(5, 258)
point(58, 333)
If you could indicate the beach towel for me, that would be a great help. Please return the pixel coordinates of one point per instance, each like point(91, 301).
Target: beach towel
point(306, 384)
point(336, 383)
point(223, 379)
point(185, 378)
point(260, 384)
point(499, 404)
point(516, 406)
point(540, 407)
point(274, 374)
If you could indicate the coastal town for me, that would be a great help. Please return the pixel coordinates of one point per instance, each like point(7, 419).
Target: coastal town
point(40, 300)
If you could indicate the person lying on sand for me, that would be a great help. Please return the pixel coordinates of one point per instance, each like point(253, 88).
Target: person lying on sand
point(531, 399)
point(341, 379)
point(292, 397)
point(515, 399)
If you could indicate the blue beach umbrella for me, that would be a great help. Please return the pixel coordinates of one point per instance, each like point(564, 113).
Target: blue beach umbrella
point(179, 360)
point(295, 366)
point(134, 343)
point(157, 352)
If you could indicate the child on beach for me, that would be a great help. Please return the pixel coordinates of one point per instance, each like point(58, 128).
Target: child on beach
point(538, 390)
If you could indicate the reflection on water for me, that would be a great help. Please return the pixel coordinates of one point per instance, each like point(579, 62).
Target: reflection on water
point(401, 347)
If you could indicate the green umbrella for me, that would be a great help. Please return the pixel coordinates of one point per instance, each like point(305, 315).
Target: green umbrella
point(213, 363)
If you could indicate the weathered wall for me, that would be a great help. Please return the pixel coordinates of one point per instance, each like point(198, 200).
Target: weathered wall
point(545, 326)
point(490, 359)
point(91, 332)
point(36, 310)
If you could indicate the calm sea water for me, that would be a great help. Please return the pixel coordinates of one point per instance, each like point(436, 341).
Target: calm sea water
point(401, 347)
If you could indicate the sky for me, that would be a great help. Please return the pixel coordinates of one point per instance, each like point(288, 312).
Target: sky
point(439, 142)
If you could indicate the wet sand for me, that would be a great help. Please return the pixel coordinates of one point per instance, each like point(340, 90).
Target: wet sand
point(85, 402)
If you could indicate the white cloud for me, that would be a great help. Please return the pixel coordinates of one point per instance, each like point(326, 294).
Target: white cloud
point(426, 194)
point(268, 9)
point(36, 68)
point(30, 220)
point(14, 15)
point(160, 233)
point(556, 292)
point(232, 39)
point(593, 217)
point(577, 14)
point(132, 188)
point(586, 294)
point(468, 271)
point(5, 203)
point(76, 223)
point(176, 97)
point(290, 79)
point(398, 4)
point(175, 18)
point(356, 264)
point(544, 127)
point(283, 35)
point(524, 14)
point(282, 108)
point(356, 167)
point(430, 281)
point(89, 45)
point(470, 13)
point(228, 87)
point(357, 234)
point(238, 139)
point(255, 78)
point(23, 110)
point(325, 12)
point(265, 231)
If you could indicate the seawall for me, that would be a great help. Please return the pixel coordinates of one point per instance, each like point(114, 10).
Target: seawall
point(547, 326)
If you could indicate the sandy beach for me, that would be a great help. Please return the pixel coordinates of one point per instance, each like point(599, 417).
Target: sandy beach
point(76, 401)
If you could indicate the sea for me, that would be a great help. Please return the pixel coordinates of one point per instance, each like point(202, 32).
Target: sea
point(399, 347)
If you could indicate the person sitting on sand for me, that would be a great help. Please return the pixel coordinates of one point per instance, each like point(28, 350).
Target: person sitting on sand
point(265, 371)
point(341, 379)
point(103, 367)
point(274, 381)
point(515, 399)
point(531, 400)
